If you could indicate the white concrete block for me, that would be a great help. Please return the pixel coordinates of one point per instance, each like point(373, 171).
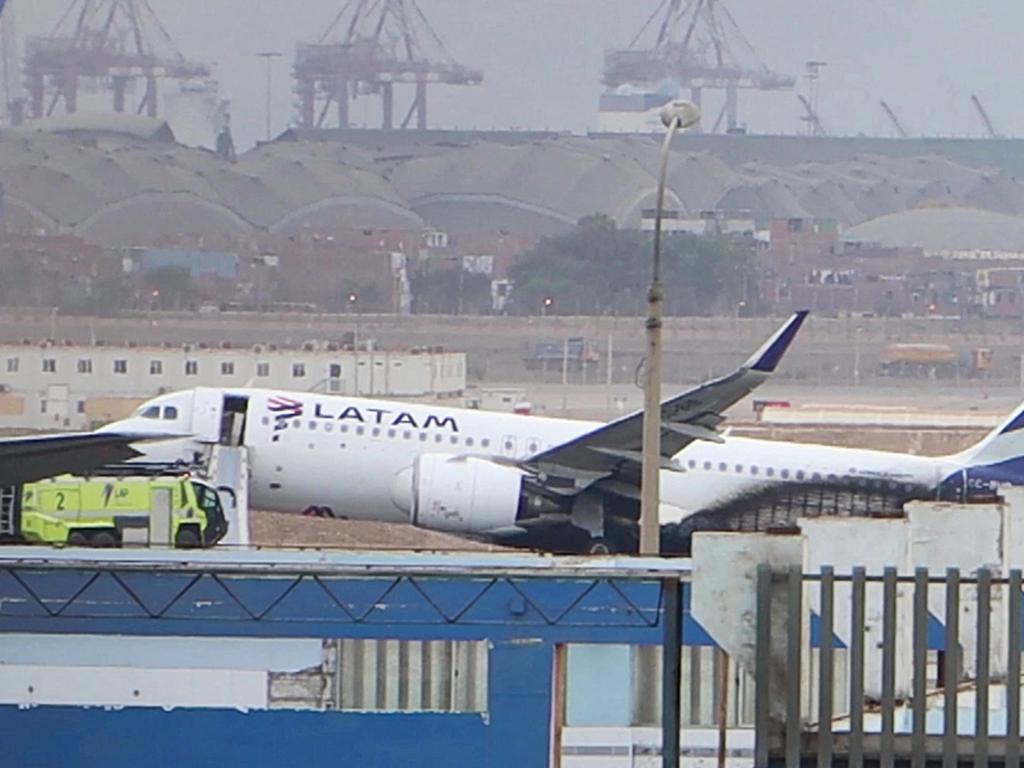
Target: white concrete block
point(725, 585)
point(968, 537)
point(846, 543)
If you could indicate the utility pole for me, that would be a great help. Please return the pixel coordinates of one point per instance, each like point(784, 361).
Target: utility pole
point(565, 375)
point(675, 116)
point(268, 57)
point(608, 374)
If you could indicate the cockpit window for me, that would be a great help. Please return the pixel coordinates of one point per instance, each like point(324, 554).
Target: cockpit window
point(153, 412)
point(170, 413)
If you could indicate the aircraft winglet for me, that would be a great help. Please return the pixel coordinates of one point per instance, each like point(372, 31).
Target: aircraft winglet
point(767, 358)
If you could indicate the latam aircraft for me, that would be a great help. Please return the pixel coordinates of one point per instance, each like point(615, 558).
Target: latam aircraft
point(555, 483)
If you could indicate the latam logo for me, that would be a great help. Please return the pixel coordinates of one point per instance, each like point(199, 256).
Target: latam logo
point(284, 409)
point(386, 417)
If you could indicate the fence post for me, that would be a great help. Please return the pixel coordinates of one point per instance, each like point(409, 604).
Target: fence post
point(794, 648)
point(762, 656)
point(983, 650)
point(920, 665)
point(671, 673)
point(857, 595)
point(887, 757)
point(1013, 639)
point(826, 668)
point(777, 661)
point(951, 672)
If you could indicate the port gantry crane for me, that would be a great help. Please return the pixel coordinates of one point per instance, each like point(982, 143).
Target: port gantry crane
point(369, 48)
point(698, 45)
point(115, 42)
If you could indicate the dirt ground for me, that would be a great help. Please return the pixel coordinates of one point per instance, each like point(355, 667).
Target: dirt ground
point(275, 529)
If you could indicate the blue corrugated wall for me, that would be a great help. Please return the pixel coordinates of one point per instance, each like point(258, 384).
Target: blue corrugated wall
point(69, 737)
point(521, 614)
point(513, 733)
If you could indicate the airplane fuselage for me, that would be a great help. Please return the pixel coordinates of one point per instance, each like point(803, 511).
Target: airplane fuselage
point(351, 457)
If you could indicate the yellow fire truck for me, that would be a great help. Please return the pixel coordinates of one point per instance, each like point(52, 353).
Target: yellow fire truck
point(110, 511)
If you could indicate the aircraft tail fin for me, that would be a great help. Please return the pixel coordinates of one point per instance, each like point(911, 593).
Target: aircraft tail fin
point(1002, 444)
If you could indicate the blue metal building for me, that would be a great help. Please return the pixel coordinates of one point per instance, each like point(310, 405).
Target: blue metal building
point(517, 611)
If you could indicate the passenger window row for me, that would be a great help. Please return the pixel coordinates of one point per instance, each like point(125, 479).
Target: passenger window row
point(753, 470)
point(799, 474)
point(391, 434)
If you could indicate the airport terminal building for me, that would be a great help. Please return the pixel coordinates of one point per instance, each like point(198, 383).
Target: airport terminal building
point(47, 386)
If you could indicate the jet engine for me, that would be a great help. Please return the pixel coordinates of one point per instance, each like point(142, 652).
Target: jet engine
point(464, 495)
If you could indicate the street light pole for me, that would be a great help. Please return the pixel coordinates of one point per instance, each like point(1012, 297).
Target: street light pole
point(269, 56)
point(675, 115)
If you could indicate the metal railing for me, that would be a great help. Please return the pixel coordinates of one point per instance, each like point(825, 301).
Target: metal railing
point(920, 694)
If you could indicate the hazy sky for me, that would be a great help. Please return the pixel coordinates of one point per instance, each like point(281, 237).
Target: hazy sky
point(542, 58)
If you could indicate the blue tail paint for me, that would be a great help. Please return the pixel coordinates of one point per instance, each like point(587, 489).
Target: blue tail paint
point(998, 459)
point(767, 358)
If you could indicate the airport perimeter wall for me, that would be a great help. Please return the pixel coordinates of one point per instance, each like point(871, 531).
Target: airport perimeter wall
point(828, 350)
point(73, 625)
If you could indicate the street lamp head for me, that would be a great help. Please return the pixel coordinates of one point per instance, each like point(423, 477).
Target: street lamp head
point(684, 113)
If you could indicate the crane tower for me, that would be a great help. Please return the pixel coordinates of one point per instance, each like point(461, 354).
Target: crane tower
point(688, 45)
point(12, 101)
point(369, 48)
point(110, 45)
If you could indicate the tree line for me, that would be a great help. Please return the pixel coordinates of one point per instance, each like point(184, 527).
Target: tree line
point(600, 269)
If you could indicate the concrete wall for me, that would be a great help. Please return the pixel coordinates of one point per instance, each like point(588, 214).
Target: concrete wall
point(931, 535)
point(827, 349)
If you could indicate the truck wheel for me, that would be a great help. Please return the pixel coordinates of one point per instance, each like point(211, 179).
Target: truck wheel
point(187, 538)
point(78, 539)
point(104, 540)
point(600, 546)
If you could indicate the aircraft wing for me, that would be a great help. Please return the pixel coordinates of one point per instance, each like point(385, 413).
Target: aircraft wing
point(26, 459)
point(615, 448)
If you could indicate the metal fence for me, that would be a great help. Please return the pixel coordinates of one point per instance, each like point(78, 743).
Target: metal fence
point(711, 688)
point(888, 669)
point(388, 676)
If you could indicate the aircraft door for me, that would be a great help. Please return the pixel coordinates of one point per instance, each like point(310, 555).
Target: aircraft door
point(232, 423)
point(219, 417)
point(207, 408)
